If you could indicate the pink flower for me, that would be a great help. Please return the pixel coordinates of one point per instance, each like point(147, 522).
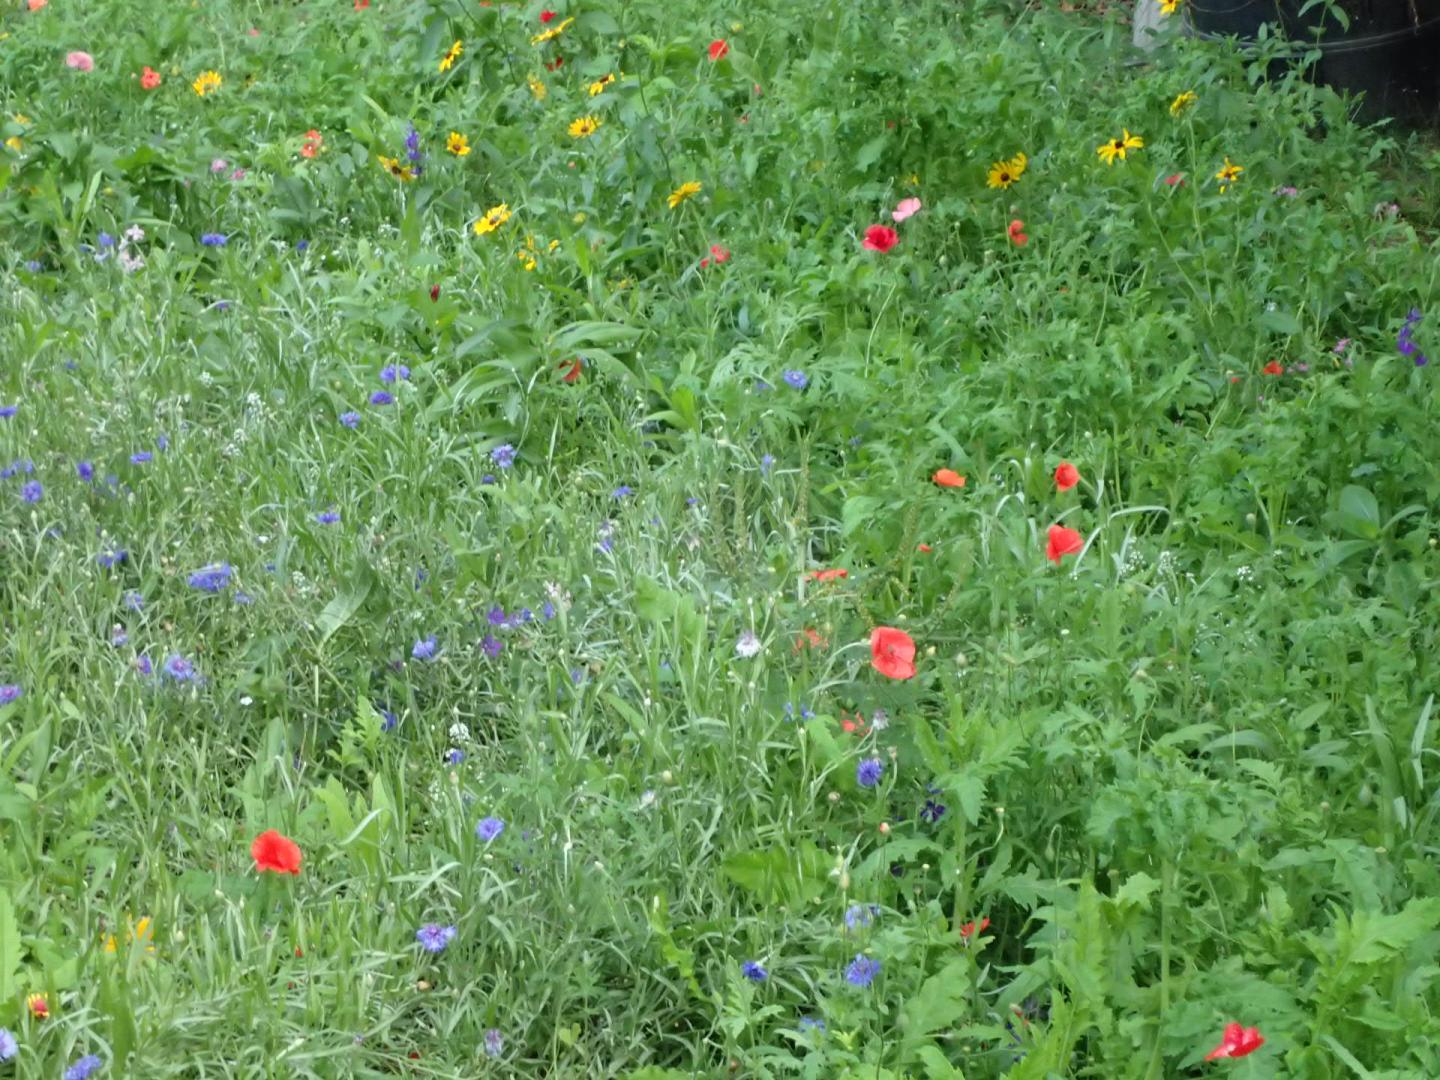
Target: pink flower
point(906, 208)
point(219, 165)
point(80, 61)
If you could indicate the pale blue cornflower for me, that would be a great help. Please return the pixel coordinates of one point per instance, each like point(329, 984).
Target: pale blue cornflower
point(433, 937)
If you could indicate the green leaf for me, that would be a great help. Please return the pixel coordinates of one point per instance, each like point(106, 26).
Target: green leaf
point(1281, 322)
point(343, 608)
point(938, 1004)
point(9, 948)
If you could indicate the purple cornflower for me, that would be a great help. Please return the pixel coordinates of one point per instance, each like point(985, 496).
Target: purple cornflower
point(503, 455)
point(380, 397)
point(211, 579)
point(858, 916)
point(141, 457)
point(753, 971)
point(932, 811)
point(143, 665)
point(496, 616)
point(494, 1042)
point(392, 372)
point(487, 479)
point(32, 492)
point(425, 649)
point(178, 668)
point(523, 616)
point(85, 471)
point(624, 491)
point(388, 720)
point(84, 1068)
point(10, 692)
point(412, 151)
point(869, 771)
point(350, 420)
point(105, 240)
point(214, 239)
point(433, 937)
point(796, 380)
point(7, 411)
point(302, 245)
point(491, 646)
point(328, 517)
point(862, 970)
point(489, 828)
point(118, 636)
point(162, 441)
point(1404, 342)
point(548, 610)
point(111, 558)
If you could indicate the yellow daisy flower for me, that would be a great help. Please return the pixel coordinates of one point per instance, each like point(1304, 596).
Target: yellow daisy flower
point(493, 219)
point(584, 127)
point(395, 169)
point(551, 34)
point(1183, 102)
point(141, 931)
point(598, 86)
point(206, 82)
point(1228, 174)
point(1167, 7)
point(451, 55)
point(537, 88)
point(1114, 148)
point(457, 144)
point(15, 144)
point(683, 192)
point(1004, 173)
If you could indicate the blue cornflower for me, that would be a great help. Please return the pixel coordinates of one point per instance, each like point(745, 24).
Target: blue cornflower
point(32, 492)
point(85, 471)
point(134, 601)
point(492, 646)
point(1405, 344)
point(810, 1023)
point(35, 266)
point(766, 463)
point(380, 397)
point(302, 245)
point(214, 239)
point(525, 615)
point(496, 616)
point(177, 668)
point(455, 756)
point(15, 468)
point(350, 420)
point(111, 558)
point(162, 441)
point(425, 649)
point(622, 492)
point(105, 240)
point(487, 479)
point(211, 579)
point(753, 971)
point(796, 380)
point(503, 455)
point(860, 915)
point(7, 411)
point(494, 1042)
point(412, 145)
point(869, 771)
point(388, 720)
point(328, 517)
point(489, 828)
point(84, 1068)
point(141, 457)
point(118, 636)
point(244, 599)
point(143, 665)
point(932, 811)
point(761, 386)
point(392, 372)
point(10, 692)
point(862, 970)
point(9, 1046)
point(433, 937)
point(548, 610)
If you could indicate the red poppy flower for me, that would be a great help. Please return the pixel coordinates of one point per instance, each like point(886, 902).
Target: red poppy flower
point(546, 16)
point(1237, 1042)
point(924, 549)
point(718, 49)
point(809, 638)
point(311, 146)
point(554, 65)
point(892, 652)
point(880, 238)
point(1016, 232)
point(948, 478)
point(1175, 180)
point(276, 853)
point(361, 5)
point(969, 928)
point(573, 375)
point(1274, 367)
point(719, 253)
point(149, 78)
point(1066, 476)
point(828, 575)
point(1063, 541)
point(434, 293)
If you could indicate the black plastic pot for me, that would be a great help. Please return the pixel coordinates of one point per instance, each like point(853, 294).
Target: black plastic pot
point(1390, 52)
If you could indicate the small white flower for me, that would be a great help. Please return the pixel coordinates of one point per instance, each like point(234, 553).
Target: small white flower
point(647, 800)
point(134, 234)
point(748, 645)
point(459, 732)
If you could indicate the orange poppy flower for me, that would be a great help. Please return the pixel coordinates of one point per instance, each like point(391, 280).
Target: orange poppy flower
point(573, 375)
point(1016, 232)
point(1066, 476)
point(809, 638)
point(948, 478)
point(828, 575)
point(892, 652)
point(969, 928)
point(1063, 541)
point(149, 79)
point(276, 853)
point(924, 549)
point(1274, 367)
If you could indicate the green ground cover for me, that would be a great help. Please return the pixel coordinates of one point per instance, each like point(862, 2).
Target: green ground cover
point(437, 435)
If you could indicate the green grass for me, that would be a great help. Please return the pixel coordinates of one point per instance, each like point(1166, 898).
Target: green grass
point(1187, 775)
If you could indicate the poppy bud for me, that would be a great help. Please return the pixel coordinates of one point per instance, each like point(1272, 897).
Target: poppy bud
point(834, 796)
point(422, 986)
point(884, 828)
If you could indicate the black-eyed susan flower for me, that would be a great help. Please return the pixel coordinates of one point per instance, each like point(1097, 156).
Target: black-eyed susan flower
point(457, 144)
point(551, 34)
point(537, 88)
point(451, 55)
point(206, 82)
point(1228, 174)
point(1113, 148)
point(1004, 173)
point(1168, 7)
point(584, 127)
point(493, 219)
point(683, 192)
point(397, 170)
point(598, 86)
point(1183, 102)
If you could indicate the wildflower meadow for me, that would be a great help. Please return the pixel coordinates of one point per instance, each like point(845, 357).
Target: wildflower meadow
point(836, 541)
